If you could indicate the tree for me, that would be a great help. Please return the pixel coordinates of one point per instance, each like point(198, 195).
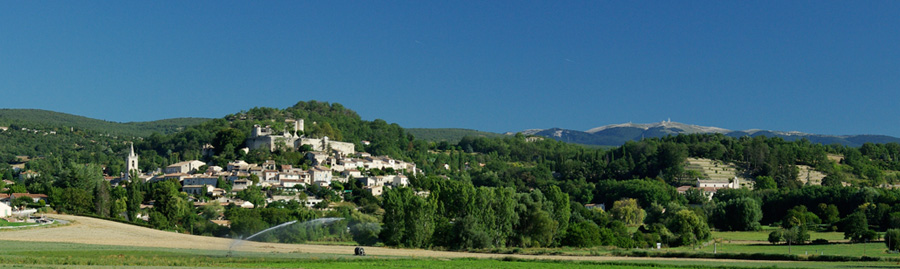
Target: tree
point(408, 218)
point(102, 199)
point(254, 195)
point(16, 188)
point(135, 196)
point(829, 213)
point(229, 137)
point(211, 211)
point(695, 196)
point(158, 220)
point(21, 201)
point(892, 239)
point(796, 224)
point(765, 183)
point(833, 179)
point(856, 227)
point(776, 236)
point(171, 203)
point(365, 233)
point(688, 228)
point(72, 200)
point(583, 234)
point(628, 211)
point(536, 227)
point(223, 184)
point(741, 214)
point(245, 222)
point(559, 209)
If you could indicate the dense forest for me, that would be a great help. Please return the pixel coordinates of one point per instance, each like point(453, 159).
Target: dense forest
point(480, 192)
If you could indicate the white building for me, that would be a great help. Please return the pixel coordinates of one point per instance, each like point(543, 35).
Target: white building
point(320, 174)
point(197, 189)
point(238, 166)
point(184, 167)
point(5, 210)
point(719, 184)
point(311, 201)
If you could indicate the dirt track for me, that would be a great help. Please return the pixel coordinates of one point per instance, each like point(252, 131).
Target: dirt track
point(86, 230)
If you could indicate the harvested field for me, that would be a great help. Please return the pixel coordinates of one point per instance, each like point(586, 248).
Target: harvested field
point(807, 174)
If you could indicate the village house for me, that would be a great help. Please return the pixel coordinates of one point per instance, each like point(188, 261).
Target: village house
point(708, 192)
point(374, 190)
point(291, 183)
point(5, 210)
point(238, 166)
point(269, 165)
point(351, 173)
point(320, 174)
point(28, 175)
point(201, 180)
point(317, 157)
point(719, 184)
point(240, 184)
point(197, 189)
point(311, 201)
point(602, 207)
point(184, 167)
point(218, 192)
point(292, 176)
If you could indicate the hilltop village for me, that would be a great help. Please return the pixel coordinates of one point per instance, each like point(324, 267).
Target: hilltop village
point(334, 163)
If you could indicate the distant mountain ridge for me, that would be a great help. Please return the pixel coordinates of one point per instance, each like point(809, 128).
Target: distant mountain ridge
point(618, 134)
point(37, 118)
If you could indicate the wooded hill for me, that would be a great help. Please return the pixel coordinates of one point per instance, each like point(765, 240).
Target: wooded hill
point(49, 120)
point(451, 135)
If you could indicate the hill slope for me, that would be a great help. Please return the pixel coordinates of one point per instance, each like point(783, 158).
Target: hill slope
point(36, 118)
point(451, 135)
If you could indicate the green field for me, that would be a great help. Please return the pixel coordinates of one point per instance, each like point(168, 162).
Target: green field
point(36, 254)
point(3, 223)
point(877, 249)
point(763, 235)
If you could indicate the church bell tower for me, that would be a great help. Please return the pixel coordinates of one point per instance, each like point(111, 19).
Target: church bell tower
point(131, 162)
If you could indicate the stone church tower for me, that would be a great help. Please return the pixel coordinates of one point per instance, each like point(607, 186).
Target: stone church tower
point(131, 162)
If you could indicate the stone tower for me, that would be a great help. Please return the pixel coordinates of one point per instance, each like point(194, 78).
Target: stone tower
point(131, 163)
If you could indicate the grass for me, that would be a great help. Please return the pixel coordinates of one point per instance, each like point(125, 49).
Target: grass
point(4, 223)
point(763, 235)
point(877, 249)
point(41, 254)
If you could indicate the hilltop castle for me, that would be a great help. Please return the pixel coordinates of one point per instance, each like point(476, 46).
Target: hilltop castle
point(266, 137)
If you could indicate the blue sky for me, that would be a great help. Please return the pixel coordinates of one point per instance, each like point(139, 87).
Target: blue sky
point(830, 67)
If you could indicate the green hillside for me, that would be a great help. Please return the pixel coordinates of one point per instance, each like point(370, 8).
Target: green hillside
point(43, 119)
point(451, 135)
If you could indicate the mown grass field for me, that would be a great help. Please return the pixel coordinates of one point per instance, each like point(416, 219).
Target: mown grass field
point(763, 235)
point(877, 249)
point(32, 254)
